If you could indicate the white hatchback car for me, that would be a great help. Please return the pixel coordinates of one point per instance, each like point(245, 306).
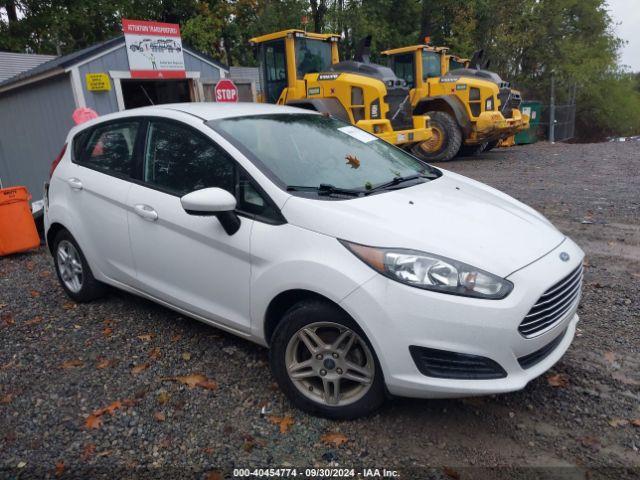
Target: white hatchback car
point(363, 269)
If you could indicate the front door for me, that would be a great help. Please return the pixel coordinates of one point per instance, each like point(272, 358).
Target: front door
point(188, 261)
point(274, 67)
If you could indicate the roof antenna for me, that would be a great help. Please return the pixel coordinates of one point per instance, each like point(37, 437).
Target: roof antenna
point(147, 95)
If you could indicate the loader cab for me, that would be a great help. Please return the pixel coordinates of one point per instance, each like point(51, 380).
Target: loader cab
point(454, 62)
point(417, 64)
point(286, 57)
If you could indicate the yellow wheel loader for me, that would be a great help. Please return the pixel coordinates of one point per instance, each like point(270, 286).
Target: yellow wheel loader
point(303, 69)
point(470, 108)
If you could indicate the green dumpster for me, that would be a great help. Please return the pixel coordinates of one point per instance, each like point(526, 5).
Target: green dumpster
point(534, 110)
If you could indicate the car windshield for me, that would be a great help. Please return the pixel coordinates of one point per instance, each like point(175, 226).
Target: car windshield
point(311, 150)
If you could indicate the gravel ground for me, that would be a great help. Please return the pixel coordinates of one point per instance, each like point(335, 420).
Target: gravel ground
point(113, 365)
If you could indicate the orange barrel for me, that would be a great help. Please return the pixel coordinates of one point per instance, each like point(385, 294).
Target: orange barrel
point(17, 228)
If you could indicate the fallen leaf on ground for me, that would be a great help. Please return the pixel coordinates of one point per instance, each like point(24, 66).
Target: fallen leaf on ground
point(334, 438)
point(558, 380)
point(7, 320)
point(285, 422)
point(69, 305)
point(93, 421)
point(6, 399)
point(105, 363)
point(146, 337)
point(618, 422)
point(107, 331)
point(45, 273)
point(139, 368)
point(214, 476)
point(88, 451)
point(30, 265)
point(34, 320)
point(610, 357)
point(451, 473)
point(163, 397)
point(34, 293)
point(59, 469)
point(176, 337)
point(186, 356)
point(155, 353)
point(635, 422)
point(195, 380)
point(159, 416)
point(72, 364)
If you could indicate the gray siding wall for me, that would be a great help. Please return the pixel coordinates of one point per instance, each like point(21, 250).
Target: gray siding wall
point(194, 64)
point(34, 122)
point(105, 102)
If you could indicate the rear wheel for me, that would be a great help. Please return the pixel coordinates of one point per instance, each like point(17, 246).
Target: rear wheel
point(324, 363)
point(73, 270)
point(445, 142)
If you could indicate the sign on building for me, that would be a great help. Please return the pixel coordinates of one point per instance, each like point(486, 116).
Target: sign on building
point(98, 82)
point(154, 49)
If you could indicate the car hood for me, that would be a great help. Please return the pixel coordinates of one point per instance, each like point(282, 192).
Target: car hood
point(452, 216)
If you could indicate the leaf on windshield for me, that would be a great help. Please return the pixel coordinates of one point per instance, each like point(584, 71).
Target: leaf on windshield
point(352, 161)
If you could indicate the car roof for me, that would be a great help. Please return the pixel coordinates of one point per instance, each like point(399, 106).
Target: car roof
point(203, 110)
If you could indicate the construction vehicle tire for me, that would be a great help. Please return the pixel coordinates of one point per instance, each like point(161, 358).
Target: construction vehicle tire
point(445, 142)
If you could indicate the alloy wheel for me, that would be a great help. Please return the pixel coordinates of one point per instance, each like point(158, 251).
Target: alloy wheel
point(70, 266)
point(330, 363)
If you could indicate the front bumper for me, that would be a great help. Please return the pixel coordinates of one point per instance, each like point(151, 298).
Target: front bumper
point(382, 128)
point(396, 316)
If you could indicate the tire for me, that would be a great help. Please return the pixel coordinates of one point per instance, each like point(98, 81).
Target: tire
point(87, 288)
point(446, 146)
point(309, 393)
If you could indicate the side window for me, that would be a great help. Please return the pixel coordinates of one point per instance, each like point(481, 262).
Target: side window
point(180, 160)
point(250, 200)
point(109, 148)
point(403, 68)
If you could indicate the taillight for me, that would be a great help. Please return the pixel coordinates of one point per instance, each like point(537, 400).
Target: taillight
point(57, 160)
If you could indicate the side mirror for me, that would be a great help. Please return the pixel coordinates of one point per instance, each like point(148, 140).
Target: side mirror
point(215, 202)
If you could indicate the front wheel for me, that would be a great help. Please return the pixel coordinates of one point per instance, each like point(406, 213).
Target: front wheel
point(324, 363)
point(445, 141)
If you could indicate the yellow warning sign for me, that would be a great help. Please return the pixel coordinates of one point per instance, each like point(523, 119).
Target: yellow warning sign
point(98, 82)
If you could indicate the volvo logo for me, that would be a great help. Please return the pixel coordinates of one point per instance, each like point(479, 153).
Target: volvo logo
point(564, 256)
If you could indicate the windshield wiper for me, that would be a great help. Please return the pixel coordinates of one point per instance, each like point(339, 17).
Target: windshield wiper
point(398, 181)
point(325, 189)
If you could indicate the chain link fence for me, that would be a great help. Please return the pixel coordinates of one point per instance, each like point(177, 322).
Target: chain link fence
point(565, 122)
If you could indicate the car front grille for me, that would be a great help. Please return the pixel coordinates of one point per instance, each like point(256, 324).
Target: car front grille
point(536, 357)
point(443, 364)
point(553, 305)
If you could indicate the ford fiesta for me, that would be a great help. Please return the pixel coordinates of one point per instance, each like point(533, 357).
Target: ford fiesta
point(364, 270)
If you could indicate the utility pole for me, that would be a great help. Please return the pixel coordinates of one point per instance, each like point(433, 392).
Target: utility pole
point(552, 111)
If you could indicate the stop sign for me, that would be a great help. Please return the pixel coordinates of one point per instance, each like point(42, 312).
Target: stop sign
point(226, 91)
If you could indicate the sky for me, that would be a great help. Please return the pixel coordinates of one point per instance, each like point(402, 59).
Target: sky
point(626, 16)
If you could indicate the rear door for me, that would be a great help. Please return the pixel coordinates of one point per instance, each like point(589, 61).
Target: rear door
point(186, 260)
point(98, 182)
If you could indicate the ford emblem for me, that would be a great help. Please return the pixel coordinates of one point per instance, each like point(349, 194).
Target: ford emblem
point(564, 256)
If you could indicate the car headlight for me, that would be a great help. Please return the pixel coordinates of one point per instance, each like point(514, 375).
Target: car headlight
point(432, 272)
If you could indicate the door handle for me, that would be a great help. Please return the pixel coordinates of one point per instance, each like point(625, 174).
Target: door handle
point(146, 212)
point(75, 183)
